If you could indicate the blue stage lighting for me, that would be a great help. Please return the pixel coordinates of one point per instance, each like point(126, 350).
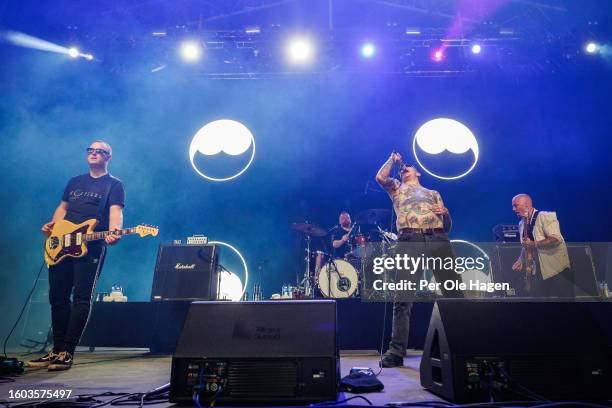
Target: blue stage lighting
point(190, 51)
point(300, 50)
point(74, 52)
point(368, 50)
point(591, 47)
point(476, 49)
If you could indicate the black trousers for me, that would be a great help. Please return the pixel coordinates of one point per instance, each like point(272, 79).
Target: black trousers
point(415, 245)
point(76, 277)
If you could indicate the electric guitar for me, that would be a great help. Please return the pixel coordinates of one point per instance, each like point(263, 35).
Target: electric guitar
point(69, 239)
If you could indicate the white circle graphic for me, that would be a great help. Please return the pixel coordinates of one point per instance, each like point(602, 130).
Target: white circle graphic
point(438, 135)
point(222, 136)
point(244, 265)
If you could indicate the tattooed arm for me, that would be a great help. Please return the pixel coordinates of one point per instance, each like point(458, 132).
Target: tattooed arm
point(382, 177)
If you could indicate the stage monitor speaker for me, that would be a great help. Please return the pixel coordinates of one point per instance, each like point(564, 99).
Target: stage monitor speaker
point(186, 272)
point(479, 349)
point(266, 352)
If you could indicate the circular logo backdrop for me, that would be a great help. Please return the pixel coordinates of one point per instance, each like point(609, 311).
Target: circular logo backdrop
point(445, 148)
point(222, 150)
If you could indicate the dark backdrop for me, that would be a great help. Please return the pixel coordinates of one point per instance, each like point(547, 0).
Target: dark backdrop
point(320, 139)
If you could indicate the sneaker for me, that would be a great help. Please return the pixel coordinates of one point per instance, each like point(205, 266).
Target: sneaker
point(391, 360)
point(62, 362)
point(43, 361)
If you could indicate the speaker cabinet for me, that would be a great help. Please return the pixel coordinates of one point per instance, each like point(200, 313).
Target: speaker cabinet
point(186, 272)
point(478, 349)
point(268, 352)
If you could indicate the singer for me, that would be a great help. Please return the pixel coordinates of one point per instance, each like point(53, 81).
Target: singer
point(423, 223)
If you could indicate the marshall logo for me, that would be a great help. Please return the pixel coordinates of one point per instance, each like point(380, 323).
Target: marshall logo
point(184, 266)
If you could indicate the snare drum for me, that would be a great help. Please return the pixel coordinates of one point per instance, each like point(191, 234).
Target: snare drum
point(361, 246)
point(337, 279)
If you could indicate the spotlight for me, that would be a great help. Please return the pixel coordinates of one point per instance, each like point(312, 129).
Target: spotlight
point(88, 57)
point(190, 51)
point(437, 55)
point(368, 50)
point(476, 49)
point(300, 50)
point(74, 52)
point(591, 47)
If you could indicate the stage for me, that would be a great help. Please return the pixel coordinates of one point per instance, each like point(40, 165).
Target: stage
point(137, 370)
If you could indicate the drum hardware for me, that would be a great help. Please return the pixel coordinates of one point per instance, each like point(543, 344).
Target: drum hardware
point(308, 230)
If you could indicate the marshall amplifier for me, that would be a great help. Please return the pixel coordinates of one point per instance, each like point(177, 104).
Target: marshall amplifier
point(186, 272)
point(257, 352)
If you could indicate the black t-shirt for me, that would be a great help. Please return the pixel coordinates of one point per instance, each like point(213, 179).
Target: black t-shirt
point(83, 194)
point(345, 248)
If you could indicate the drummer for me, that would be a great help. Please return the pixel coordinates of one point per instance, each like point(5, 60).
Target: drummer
point(341, 235)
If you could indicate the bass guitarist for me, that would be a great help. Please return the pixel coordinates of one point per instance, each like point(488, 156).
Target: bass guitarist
point(98, 195)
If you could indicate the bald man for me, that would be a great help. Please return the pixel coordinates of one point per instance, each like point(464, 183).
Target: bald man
point(95, 194)
point(544, 254)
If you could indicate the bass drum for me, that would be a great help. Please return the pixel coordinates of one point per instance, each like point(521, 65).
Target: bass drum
point(338, 279)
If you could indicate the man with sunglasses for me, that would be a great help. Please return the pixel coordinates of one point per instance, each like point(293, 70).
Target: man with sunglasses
point(423, 223)
point(95, 194)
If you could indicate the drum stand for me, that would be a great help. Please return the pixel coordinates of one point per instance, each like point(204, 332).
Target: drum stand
point(307, 280)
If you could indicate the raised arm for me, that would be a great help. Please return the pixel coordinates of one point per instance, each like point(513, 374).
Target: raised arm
point(382, 177)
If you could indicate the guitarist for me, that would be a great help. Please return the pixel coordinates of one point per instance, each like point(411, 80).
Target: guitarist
point(544, 259)
point(98, 195)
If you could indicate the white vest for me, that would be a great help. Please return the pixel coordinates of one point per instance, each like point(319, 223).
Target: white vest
point(553, 259)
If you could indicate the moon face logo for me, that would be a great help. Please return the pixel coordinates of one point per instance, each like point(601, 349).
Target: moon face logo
point(445, 148)
point(222, 150)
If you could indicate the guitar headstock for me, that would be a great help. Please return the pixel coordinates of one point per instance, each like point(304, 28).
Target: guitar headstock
point(144, 230)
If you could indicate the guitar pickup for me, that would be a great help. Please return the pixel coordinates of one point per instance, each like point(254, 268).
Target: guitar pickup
point(79, 238)
point(67, 240)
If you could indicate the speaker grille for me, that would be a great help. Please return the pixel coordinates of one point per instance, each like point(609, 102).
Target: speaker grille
point(250, 379)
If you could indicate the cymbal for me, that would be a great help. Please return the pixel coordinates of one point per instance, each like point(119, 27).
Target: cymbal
point(307, 228)
point(373, 216)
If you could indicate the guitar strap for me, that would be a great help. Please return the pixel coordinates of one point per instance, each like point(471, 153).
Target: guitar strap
point(104, 199)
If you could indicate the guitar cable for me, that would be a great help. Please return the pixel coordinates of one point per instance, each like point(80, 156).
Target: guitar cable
point(25, 304)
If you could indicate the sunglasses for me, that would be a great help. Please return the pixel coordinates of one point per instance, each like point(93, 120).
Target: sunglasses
point(91, 150)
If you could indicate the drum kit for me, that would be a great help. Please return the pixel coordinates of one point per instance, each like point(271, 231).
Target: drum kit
point(341, 277)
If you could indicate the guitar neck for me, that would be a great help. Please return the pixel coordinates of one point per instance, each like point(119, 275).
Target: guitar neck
point(103, 234)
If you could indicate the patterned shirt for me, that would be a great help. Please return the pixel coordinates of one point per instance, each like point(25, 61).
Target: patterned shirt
point(412, 206)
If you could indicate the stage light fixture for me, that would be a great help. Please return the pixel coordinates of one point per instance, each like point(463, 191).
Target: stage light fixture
point(368, 50)
point(74, 52)
point(476, 49)
point(190, 51)
point(591, 47)
point(300, 50)
point(437, 55)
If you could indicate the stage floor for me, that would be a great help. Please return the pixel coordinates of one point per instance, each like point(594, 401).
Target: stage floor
point(133, 371)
